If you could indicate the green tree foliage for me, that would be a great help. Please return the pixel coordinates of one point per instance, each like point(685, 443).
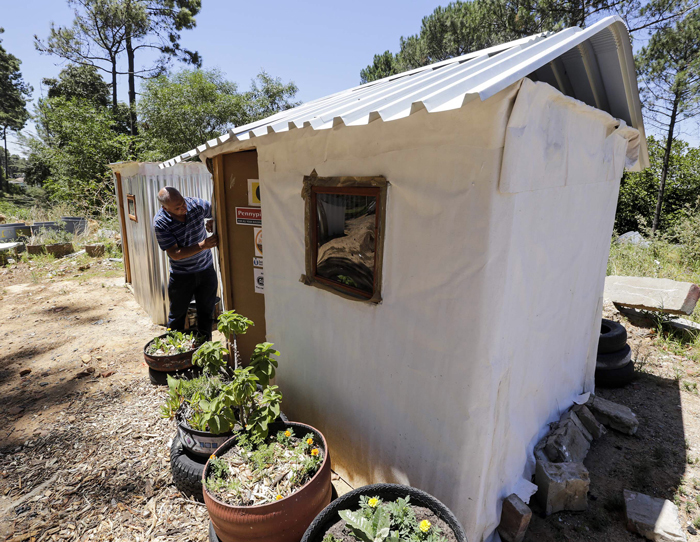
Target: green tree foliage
point(76, 142)
point(267, 96)
point(77, 135)
point(96, 38)
point(638, 191)
point(104, 30)
point(185, 109)
point(462, 27)
point(180, 111)
point(14, 93)
point(83, 82)
point(669, 67)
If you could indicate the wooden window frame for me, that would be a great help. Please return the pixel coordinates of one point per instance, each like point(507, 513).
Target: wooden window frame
point(131, 198)
point(351, 186)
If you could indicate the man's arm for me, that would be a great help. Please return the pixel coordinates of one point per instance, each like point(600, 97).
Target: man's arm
point(180, 253)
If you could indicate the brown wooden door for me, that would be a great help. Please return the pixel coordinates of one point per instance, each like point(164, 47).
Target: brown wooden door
point(237, 242)
point(123, 218)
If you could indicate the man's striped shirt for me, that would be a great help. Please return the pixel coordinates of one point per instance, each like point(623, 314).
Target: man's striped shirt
point(171, 232)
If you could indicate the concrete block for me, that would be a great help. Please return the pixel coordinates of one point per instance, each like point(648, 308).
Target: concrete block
point(515, 519)
point(654, 519)
point(567, 444)
point(594, 427)
point(652, 294)
point(618, 417)
point(571, 415)
point(561, 486)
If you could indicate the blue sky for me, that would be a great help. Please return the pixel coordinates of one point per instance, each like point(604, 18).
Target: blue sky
point(321, 46)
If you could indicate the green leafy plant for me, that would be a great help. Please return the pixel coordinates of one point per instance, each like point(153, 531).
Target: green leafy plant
point(256, 471)
point(231, 323)
point(174, 342)
point(263, 364)
point(210, 356)
point(374, 528)
point(377, 521)
point(220, 401)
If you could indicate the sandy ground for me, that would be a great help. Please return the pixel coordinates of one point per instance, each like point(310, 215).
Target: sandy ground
point(80, 414)
point(84, 453)
point(662, 459)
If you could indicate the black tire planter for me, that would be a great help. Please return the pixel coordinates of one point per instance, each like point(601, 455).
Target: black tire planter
point(200, 443)
point(187, 470)
point(167, 364)
point(15, 231)
point(160, 378)
point(75, 224)
point(388, 492)
point(614, 360)
point(615, 378)
point(613, 337)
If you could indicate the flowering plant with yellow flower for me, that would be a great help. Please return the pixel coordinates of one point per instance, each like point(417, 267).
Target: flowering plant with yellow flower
point(388, 521)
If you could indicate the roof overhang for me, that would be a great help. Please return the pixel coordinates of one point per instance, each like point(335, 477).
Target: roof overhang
point(594, 65)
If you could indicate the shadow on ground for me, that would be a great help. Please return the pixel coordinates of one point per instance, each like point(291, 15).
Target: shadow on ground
point(652, 462)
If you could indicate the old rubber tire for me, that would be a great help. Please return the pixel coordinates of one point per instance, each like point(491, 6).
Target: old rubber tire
point(186, 470)
point(212, 533)
point(613, 337)
point(160, 378)
point(614, 360)
point(615, 378)
point(329, 516)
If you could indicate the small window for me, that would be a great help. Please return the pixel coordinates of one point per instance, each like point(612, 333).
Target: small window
point(344, 237)
point(131, 206)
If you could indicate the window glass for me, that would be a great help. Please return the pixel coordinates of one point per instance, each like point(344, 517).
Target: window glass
point(346, 229)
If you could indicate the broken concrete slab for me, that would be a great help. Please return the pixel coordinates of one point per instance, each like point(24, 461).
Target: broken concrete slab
point(652, 294)
point(654, 519)
point(566, 444)
point(618, 417)
point(561, 486)
point(515, 519)
point(594, 427)
point(571, 415)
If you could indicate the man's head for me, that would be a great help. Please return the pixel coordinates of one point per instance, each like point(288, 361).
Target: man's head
point(173, 202)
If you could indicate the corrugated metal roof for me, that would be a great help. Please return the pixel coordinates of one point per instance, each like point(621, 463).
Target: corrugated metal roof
point(594, 65)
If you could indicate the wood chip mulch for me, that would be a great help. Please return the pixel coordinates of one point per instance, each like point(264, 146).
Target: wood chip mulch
point(98, 471)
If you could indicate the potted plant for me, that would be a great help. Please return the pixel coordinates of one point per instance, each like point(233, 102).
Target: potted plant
point(268, 487)
point(385, 512)
point(58, 242)
point(36, 244)
point(172, 351)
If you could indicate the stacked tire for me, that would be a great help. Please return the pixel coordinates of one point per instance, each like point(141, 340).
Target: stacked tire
point(614, 365)
point(187, 469)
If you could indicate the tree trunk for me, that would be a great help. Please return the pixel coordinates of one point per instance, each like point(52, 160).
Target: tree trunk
point(114, 84)
point(132, 83)
point(667, 160)
point(7, 173)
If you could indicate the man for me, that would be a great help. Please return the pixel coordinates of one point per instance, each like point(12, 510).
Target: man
point(181, 232)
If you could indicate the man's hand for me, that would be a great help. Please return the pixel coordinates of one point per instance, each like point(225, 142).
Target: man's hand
point(209, 225)
point(209, 242)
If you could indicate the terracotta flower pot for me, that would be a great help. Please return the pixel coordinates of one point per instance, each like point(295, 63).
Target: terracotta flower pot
point(95, 251)
point(60, 249)
point(168, 364)
point(281, 521)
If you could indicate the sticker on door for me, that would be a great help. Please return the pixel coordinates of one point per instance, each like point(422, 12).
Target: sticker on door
point(259, 281)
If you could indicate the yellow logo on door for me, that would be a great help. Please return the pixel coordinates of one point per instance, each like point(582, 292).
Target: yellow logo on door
point(253, 192)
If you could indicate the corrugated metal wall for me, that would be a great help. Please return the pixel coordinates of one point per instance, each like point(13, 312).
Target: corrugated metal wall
point(150, 268)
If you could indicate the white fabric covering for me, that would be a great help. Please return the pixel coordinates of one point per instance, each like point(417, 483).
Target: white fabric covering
point(491, 292)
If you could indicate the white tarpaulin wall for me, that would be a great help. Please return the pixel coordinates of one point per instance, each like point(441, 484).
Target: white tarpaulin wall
point(492, 281)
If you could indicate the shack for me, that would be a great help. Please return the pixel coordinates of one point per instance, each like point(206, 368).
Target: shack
point(435, 246)
point(146, 267)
